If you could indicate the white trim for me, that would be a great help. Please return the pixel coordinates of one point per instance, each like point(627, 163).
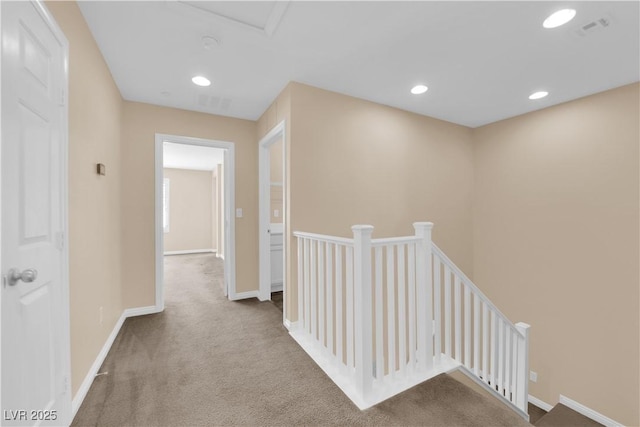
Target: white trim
point(166, 204)
point(229, 207)
point(221, 256)
point(190, 251)
point(243, 295)
point(291, 326)
point(88, 379)
point(140, 311)
point(264, 238)
point(344, 378)
point(588, 412)
point(95, 367)
point(540, 404)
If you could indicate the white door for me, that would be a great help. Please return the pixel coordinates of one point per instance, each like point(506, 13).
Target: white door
point(35, 326)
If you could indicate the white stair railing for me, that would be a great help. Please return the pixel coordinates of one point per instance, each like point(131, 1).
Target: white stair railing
point(382, 315)
point(478, 336)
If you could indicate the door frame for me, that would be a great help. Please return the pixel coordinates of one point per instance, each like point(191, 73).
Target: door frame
point(264, 181)
point(64, 203)
point(229, 209)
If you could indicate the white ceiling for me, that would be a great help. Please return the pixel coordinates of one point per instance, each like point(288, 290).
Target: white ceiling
point(481, 60)
point(184, 156)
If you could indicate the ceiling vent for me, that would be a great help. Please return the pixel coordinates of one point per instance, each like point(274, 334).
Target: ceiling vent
point(594, 26)
point(213, 102)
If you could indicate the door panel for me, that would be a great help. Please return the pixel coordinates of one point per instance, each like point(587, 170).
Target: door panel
point(34, 192)
point(35, 344)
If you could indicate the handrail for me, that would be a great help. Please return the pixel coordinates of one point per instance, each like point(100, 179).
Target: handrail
point(454, 268)
point(408, 270)
point(394, 241)
point(324, 237)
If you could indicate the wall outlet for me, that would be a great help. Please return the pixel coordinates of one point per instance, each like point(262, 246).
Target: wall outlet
point(239, 213)
point(276, 213)
point(533, 376)
point(101, 311)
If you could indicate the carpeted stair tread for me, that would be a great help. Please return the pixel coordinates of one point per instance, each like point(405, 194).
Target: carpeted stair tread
point(562, 416)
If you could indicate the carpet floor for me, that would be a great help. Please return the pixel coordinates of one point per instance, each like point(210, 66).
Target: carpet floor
point(209, 361)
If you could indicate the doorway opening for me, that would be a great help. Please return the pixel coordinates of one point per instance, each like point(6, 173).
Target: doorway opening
point(273, 206)
point(194, 204)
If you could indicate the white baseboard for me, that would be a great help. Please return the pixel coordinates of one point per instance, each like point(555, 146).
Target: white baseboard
point(190, 251)
point(539, 403)
point(244, 295)
point(141, 311)
point(291, 326)
point(95, 367)
point(88, 380)
point(588, 412)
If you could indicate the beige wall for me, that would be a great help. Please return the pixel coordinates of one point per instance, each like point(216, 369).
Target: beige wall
point(95, 239)
point(141, 123)
point(556, 243)
point(389, 168)
point(192, 196)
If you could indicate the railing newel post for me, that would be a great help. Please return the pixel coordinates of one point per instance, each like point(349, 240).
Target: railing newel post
point(424, 288)
point(522, 383)
point(363, 310)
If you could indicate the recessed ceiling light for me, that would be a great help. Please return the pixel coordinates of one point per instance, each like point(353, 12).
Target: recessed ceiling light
point(419, 89)
point(538, 95)
point(201, 81)
point(558, 18)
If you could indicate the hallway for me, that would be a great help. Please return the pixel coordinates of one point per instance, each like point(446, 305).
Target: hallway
point(209, 361)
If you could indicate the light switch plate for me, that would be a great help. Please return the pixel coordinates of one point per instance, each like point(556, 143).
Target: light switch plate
point(238, 212)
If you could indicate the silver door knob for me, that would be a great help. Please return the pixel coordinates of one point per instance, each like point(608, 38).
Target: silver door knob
point(26, 276)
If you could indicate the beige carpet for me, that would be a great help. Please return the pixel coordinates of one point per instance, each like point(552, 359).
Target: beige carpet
point(209, 361)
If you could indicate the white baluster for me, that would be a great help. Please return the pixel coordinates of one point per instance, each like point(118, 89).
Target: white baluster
point(379, 317)
point(457, 323)
point(485, 343)
point(412, 305)
point(329, 315)
point(402, 313)
point(321, 293)
point(300, 244)
point(437, 304)
point(391, 316)
point(363, 306)
point(476, 335)
point(500, 356)
point(522, 394)
point(507, 369)
point(424, 295)
point(467, 327)
point(514, 365)
point(447, 311)
point(339, 306)
point(349, 262)
point(494, 361)
point(314, 290)
point(307, 287)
